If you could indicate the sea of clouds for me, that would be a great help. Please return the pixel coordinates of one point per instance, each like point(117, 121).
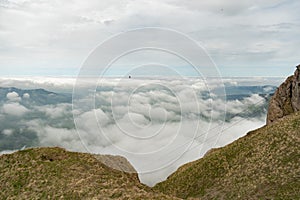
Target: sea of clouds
point(158, 124)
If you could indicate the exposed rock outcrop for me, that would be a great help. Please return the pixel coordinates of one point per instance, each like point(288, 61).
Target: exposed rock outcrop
point(286, 99)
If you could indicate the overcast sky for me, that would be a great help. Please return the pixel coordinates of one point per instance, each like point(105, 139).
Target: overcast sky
point(244, 38)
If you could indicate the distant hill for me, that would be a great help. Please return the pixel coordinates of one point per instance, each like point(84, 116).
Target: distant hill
point(20, 134)
point(36, 96)
point(53, 173)
point(265, 164)
point(240, 92)
point(44, 97)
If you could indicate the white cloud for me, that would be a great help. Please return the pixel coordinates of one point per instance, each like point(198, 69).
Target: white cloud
point(55, 111)
point(14, 109)
point(26, 96)
point(148, 124)
point(149, 121)
point(8, 152)
point(11, 151)
point(7, 132)
point(56, 84)
point(13, 96)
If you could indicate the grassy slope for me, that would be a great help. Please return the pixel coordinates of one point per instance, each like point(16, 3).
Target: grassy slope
point(54, 173)
point(265, 164)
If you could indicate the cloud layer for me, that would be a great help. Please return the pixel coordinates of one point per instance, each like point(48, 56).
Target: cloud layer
point(157, 124)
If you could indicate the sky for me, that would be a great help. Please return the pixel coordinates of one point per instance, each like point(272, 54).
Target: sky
point(243, 38)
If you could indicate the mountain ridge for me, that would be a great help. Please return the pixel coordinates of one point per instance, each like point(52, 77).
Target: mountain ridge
point(54, 173)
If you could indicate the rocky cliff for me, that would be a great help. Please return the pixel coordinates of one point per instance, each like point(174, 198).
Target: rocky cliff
point(286, 99)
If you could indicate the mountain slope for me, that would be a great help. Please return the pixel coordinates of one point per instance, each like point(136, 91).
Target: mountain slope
point(36, 96)
point(264, 164)
point(55, 173)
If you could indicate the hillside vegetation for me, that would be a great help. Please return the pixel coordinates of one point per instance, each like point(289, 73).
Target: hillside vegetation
point(53, 173)
point(265, 164)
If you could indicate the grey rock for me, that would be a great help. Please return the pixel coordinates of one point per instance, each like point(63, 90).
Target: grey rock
point(286, 99)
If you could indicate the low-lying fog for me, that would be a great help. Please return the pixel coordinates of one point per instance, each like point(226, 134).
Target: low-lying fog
point(157, 124)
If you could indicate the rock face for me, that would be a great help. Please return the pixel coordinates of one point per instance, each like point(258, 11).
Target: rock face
point(286, 99)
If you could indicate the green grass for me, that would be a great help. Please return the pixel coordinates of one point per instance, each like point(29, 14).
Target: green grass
point(53, 173)
point(264, 164)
